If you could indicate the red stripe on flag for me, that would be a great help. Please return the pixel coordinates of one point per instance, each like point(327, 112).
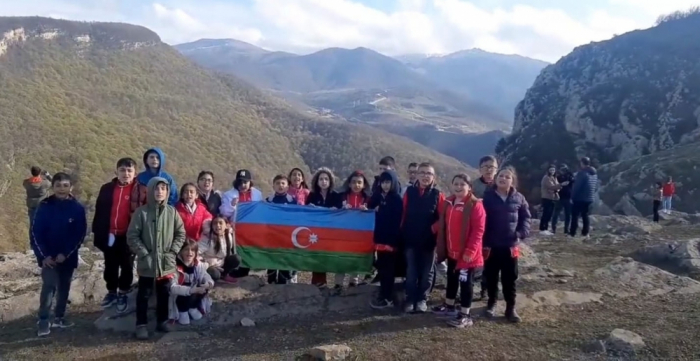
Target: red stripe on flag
point(312, 239)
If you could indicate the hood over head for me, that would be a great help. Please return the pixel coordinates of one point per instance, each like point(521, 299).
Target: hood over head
point(161, 155)
point(390, 175)
point(151, 200)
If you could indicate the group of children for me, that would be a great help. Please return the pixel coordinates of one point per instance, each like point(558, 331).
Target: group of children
point(182, 244)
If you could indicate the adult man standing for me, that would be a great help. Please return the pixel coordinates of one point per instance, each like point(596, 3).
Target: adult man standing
point(37, 188)
point(564, 202)
point(583, 194)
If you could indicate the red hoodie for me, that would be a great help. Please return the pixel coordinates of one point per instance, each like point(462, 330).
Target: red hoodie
point(669, 189)
point(456, 227)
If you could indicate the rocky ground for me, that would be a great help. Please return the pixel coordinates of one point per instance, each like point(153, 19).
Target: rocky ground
point(627, 293)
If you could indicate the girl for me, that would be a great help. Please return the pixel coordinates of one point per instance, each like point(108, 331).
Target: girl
point(242, 191)
point(323, 195)
point(297, 185)
point(657, 195)
point(188, 292)
point(355, 196)
point(460, 233)
point(218, 250)
point(507, 222)
point(209, 196)
point(193, 212)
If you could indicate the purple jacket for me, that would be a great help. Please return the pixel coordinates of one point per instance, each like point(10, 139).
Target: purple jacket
point(507, 221)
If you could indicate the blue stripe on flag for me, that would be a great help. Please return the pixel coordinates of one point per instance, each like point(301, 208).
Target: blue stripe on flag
point(304, 216)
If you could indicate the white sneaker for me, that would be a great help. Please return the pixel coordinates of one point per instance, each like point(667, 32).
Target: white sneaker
point(546, 233)
point(195, 314)
point(184, 318)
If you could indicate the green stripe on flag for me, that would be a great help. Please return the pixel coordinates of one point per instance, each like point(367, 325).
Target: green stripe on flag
point(303, 260)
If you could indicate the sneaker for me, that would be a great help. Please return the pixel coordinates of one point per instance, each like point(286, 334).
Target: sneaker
point(163, 327)
point(409, 308)
point(195, 315)
point(421, 307)
point(294, 279)
point(61, 322)
point(445, 310)
point(461, 321)
point(44, 328)
point(546, 233)
point(184, 318)
point(380, 304)
point(491, 310)
point(229, 279)
point(141, 332)
point(109, 300)
point(122, 303)
point(512, 316)
point(375, 280)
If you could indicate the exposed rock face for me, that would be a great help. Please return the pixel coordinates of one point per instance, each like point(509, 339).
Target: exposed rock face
point(624, 341)
point(624, 277)
point(620, 99)
point(678, 257)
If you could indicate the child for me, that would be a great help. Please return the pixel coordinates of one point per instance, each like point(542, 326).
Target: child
point(488, 166)
point(386, 163)
point(387, 230)
point(355, 196)
point(507, 222)
point(156, 235)
point(419, 228)
point(657, 194)
point(297, 185)
point(58, 230)
point(412, 176)
point(218, 250)
point(242, 191)
point(669, 189)
point(154, 161)
point(209, 196)
point(194, 213)
point(113, 210)
point(323, 195)
point(460, 234)
point(188, 299)
point(280, 186)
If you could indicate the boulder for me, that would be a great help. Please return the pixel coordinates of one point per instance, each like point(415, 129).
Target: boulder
point(623, 341)
point(625, 277)
point(681, 257)
point(622, 225)
point(558, 298)
point(327, 353)
point(626, 206)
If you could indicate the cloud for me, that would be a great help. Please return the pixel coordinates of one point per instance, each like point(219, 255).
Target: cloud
point(407, 26)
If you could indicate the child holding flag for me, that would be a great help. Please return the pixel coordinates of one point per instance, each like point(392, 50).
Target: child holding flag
point(242, 191)
point(280, 186)
point(323, 195)
point(355, 196)
point(297, 185)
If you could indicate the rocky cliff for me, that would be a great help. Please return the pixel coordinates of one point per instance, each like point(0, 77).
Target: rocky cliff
point(633, 95)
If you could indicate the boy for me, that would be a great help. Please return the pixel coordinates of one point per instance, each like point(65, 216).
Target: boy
point(58, 231)
point(280, 184)
point(387, 229)
point(113, 210)
point(386, 163)
point(488, 167)
point(154, 162)
point(422, 203)
point(412, 176)
point(37, 188)
point(156, 233)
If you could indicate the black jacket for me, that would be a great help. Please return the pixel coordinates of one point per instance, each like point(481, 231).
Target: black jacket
point(420, 213)
point(387, 224)
point(333, 199)
point(565, 191)
point(213, 202)
point(281, 199)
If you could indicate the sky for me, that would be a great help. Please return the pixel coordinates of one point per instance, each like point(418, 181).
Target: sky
point(541, 29)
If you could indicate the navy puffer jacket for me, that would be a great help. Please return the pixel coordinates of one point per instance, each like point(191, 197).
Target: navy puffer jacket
point(507, 221)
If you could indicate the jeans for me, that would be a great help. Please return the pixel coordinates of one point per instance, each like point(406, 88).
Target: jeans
point(501, 262)
point(186, 303)
point(580, 209)
point(119, 266)
point(655, 210)
point(386, 266)
point(564, 204)
point(547, 211)
point(465, 288)
point(420, 274)
point(146, 288)
point(667, 203)
point(55, 282)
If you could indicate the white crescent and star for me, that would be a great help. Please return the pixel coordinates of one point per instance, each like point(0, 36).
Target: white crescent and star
point(313, 238)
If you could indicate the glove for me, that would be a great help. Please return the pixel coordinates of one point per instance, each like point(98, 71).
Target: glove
point(463, 275)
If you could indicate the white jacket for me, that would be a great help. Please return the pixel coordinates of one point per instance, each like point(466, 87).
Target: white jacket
point(208, 253)
point(200, 277)
point(229, 211)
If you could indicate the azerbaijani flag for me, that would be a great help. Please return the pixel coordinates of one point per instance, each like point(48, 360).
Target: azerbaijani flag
point(302, 238)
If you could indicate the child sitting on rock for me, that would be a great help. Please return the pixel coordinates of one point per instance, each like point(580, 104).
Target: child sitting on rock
point(188, 292)
point(218, 250)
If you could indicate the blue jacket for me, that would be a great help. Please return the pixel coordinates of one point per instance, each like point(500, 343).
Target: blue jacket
point(585, 185)
point(147, 174)
point(507, 221)
point(387, 224)
point(59, 228)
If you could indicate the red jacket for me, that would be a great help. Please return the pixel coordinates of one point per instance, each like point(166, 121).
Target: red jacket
point(194, 222)
point(669, 189)
point(459, 237)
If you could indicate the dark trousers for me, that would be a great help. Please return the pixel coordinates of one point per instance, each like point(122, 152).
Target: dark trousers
point(547, 211)
point(230, 268)
point(565, 205)
point(318, 279)
point(146, 287)
point(186, 303)
point(386, 266)
point(580, 209)
point(119, 266)
point(501, 263)
point(420, 273)
point(55, 282)
point(279, 277)
point(31, 212)
point(465, 288)
point(656, 206)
